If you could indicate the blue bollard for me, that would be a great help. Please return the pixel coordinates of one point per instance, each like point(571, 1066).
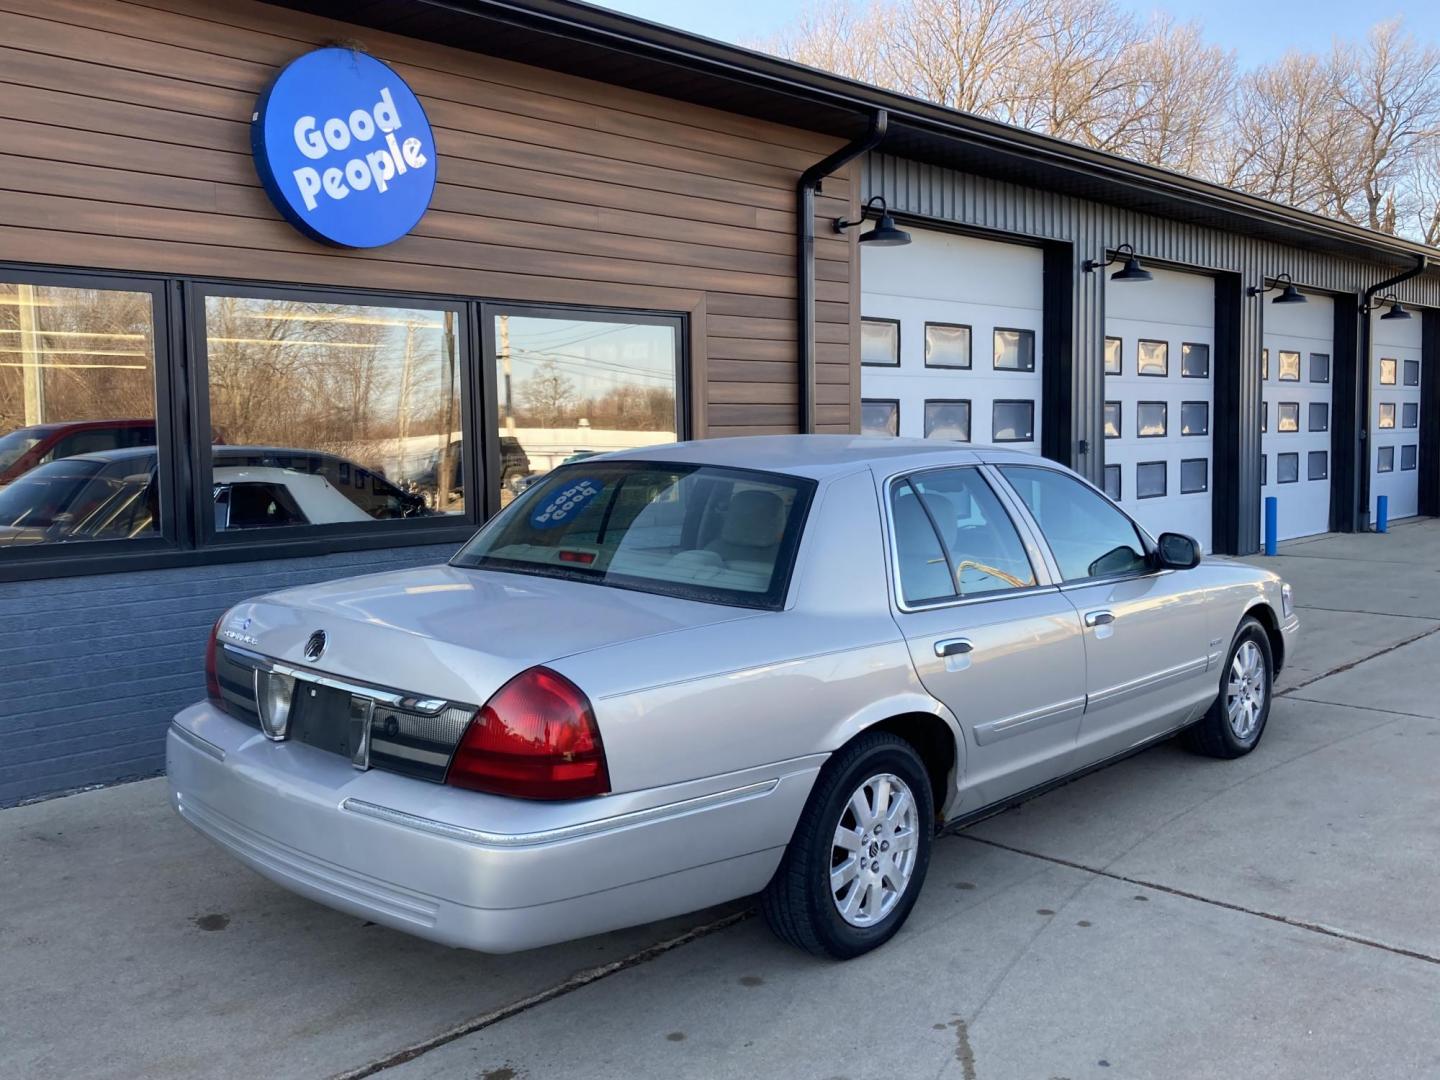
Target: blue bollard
point(1382, 514)
point(1272, 523)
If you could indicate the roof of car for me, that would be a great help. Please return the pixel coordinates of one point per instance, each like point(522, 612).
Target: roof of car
point(818, 455)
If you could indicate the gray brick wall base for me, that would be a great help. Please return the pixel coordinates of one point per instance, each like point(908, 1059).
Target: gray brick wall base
point(92, 668)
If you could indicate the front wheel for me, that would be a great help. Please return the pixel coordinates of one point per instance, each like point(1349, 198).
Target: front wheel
point(860, 851)
point(1233, 725)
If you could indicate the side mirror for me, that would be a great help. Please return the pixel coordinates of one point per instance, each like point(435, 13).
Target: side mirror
point(1176, 551)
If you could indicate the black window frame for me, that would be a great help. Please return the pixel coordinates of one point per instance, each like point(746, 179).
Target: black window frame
point(1165, 417)
point(1379, 457)
point(969, 364)
point(1324, 456)
point(1412, 451)
point(1406, 367)
point(1194, 490)
point(1280, 459)
point(1164, 491)
point(1152, 374)
point(1119, 355)
point(182, 411)
point(1185, 347)
point(1380, 424)
point(1264, 365)
point(1395, 371)
point(899, 343)
point(1280, 367)
point(1319, 356)
point(1119, 407)
point(925, 419)
point(1194, 434)
point(1264, 470)
point(880, 401)
point(1409, 411)
point(1119, 475)
point(1279, 414)
point(1010, 401)
point(1310, 416)
point(1026, 334)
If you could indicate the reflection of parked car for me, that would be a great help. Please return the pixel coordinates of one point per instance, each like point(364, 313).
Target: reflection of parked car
point(514, 464)
point(23, 449)
point(105, 496)
point(364, 487)
point(252, 498)
point(679, 675)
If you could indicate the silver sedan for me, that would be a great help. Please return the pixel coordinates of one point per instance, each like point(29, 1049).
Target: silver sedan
point(674, 676)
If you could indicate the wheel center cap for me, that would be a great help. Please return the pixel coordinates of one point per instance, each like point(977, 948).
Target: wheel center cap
point(874, 849)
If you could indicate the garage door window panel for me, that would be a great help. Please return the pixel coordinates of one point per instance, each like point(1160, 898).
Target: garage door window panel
point(1318, 465)
point(1194, 476)
point(1412, 372)
point(1088, 536)
point(1114, 425)
point(1319, 419)
point(1113, 483)
point(1289, 366)
point(1012, 421)
point(1114, 356)
point(983, 548)
point(1387, 371)
point(1410, 414)
point(948, 420)
point(1194, 361)
point(1287, 416)
point(880, 417)
point(1195, 418)
point(1387, 415)
point(1152, 358)
point(1319, 367)
point(80, 441)
point(1151, 419)
point(1014, 349)
point(1151, 481)
point(880, 342)
point(1409, 454)
point(947, 345)
point(1385, 459)
point(1264, 364)
point(1287, 468)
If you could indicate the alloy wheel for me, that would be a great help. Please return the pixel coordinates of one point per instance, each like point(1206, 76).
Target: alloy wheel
point(872, 857)
point(1246, 690)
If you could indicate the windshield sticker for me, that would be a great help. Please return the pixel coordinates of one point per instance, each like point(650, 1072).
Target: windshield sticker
point(567, 504)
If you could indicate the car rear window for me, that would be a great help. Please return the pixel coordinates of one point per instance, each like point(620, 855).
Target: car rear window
point(700, 532)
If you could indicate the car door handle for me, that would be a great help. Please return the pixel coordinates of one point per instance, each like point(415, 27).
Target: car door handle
point(1099, 618)
point(958, 646)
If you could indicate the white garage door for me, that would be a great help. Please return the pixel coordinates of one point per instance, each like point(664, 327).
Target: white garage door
point(1159, 399)
point(951, 340)
point(1395, 414)
point(1295, 424)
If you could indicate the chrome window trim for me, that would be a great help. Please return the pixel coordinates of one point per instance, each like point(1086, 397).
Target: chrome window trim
point(540, 837)
point(1040, 564)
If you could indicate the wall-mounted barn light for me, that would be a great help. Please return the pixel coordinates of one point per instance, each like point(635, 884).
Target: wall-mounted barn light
point(884, 234)
point(1131, 271)
point(1289, 294)
point(1397, 309)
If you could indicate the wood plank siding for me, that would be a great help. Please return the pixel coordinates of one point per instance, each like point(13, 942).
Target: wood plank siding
point(124, 145)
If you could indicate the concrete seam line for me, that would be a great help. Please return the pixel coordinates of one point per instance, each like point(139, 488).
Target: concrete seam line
point(1286, 920)
point(514, 1008)
point(1356, 663)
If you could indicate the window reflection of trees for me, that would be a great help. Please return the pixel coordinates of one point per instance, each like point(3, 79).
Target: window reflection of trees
point(74, 354)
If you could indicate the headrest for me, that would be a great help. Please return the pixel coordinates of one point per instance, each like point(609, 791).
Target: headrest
point(755, 519)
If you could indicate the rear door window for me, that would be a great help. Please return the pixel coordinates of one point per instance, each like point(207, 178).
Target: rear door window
point(1087, 534)
point(954, 538)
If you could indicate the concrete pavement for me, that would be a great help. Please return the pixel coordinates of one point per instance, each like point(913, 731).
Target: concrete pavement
point(1168, 917)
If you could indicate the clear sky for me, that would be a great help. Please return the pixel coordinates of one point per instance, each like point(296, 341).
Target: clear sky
point(1257, 30)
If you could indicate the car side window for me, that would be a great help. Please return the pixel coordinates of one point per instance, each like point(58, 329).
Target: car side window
point(1088, 535)
point(981, 553)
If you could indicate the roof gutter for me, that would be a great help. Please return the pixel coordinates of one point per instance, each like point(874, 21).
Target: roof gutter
point(1362, 516)
point(808, 185)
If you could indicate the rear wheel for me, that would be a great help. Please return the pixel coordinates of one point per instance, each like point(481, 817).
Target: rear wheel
point(1233, 725)
point(860, 851)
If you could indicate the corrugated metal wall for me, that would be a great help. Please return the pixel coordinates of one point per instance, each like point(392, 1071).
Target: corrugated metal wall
point(974, 202)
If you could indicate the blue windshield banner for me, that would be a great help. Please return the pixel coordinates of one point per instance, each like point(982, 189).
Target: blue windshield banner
point(344, 149)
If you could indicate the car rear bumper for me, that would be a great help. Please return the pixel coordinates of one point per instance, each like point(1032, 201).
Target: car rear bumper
point(473, 870)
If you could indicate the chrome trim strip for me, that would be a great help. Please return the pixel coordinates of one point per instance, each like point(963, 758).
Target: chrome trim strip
point(205, 746)
point(1149, 682)
point(408, 753)
point(484, 838)
point(985, 734)
point(428, 706)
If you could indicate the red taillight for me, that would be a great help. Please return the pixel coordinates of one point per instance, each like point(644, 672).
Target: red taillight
point(212, 680)
point(536, 738)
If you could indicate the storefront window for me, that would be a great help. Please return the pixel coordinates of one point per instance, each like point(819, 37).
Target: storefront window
point(331, 413)
point(77, 415)
point(569, 387)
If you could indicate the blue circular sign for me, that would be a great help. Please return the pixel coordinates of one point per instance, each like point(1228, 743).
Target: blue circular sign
point(344, 149)
point(566, 504)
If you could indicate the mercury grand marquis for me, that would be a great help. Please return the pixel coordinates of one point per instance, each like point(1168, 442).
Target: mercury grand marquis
point(674, 676)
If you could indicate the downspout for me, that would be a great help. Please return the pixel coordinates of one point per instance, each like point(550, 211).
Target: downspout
point(805, 256)
point(1362, 516)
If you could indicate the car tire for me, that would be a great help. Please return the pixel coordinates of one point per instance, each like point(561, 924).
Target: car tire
point(886, 856)
point(1232, 726)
